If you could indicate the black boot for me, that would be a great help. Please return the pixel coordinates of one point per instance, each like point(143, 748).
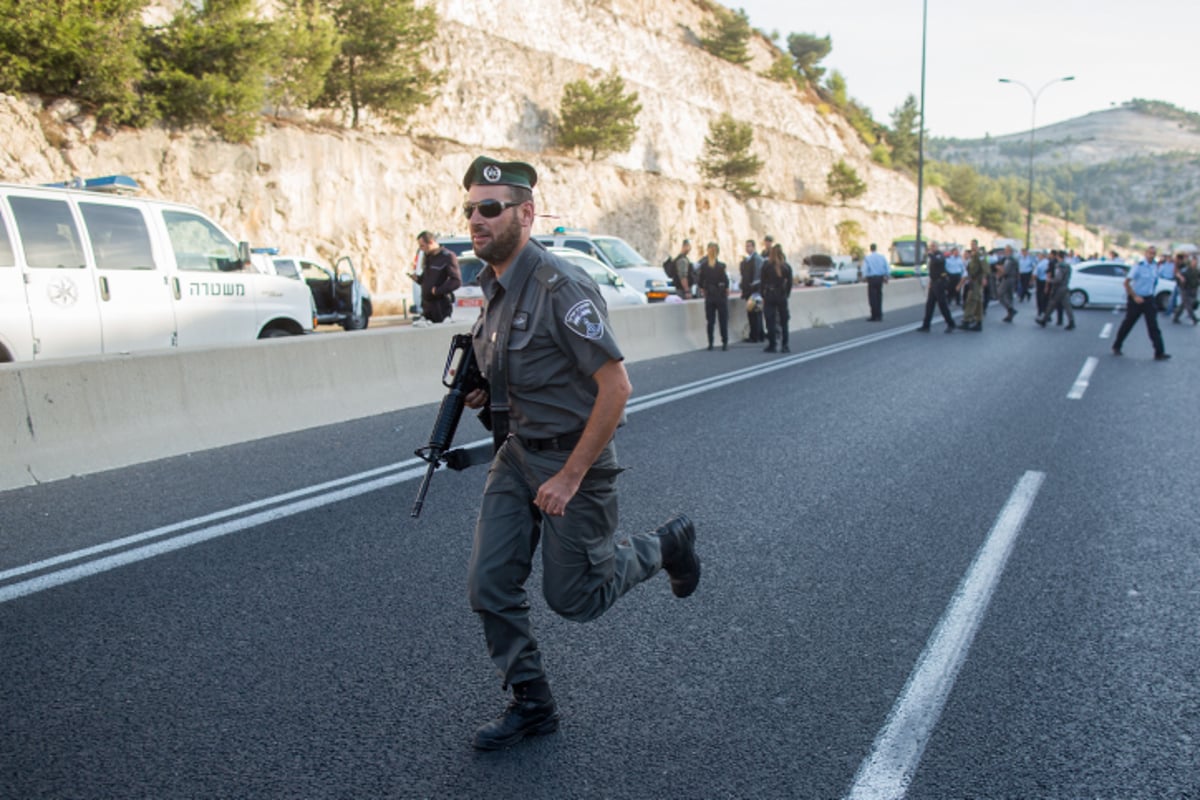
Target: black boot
point(531, 712)
point(677, 538)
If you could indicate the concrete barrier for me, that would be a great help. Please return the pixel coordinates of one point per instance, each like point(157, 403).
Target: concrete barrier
point(77, 416)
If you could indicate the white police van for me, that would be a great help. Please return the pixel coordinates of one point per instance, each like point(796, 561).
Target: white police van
point(91, 270)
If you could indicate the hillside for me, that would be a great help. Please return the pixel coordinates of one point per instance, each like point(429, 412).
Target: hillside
point(1134, 168)
point(309, 184)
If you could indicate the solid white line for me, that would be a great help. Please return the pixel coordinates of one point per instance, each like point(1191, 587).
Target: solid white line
point(1106, 331)
point(1081, 383)
point(888, 770)
point(366, 481)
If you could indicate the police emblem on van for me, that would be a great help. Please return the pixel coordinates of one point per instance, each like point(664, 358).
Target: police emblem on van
point(584, 319)
point(62, 292)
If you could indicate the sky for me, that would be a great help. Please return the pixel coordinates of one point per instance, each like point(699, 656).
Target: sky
point(1116, 50)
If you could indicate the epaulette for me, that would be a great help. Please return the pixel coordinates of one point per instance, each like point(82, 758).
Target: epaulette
point(550, 276)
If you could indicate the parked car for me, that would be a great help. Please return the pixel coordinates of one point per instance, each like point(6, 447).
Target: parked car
point(339, 297)
point(613, 288)
point(618, 254)
point(1102, 283)
point(612, 285)
point(844, 270)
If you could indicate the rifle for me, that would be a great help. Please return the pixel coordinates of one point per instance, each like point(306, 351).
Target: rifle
point(461, 379)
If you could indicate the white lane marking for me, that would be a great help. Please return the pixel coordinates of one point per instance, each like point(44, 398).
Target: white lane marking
point(888, 770)
point(367, 481)
point(1106, 331)
point(69, 574)
point(1081, 383)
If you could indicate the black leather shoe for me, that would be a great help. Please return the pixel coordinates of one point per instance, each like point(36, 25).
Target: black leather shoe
point(923, 329)
point(677, 538)
point(526, 715)
point(1162, 356)
point(769, 349)
point(785, 349)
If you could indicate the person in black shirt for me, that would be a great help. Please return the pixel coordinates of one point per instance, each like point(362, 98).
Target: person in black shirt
point(714, 285)
point(938, 283)
point(439, 278)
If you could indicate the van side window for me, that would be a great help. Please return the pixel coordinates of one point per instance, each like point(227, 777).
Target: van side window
point(119, 237)
point(199, 245)
point(7, 259)
point(48, 233)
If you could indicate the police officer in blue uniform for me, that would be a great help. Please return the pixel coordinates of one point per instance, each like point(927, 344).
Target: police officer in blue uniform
point(1140, 285)
point(558, 385)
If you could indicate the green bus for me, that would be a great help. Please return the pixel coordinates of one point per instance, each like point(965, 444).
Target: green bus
point(906, 257)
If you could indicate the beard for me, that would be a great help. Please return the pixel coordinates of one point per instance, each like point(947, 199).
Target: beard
point(503, 243)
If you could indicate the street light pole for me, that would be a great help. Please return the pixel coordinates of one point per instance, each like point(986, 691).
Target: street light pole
point(1033, 96)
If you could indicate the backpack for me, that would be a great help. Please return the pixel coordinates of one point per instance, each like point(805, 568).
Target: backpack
point(669, 268)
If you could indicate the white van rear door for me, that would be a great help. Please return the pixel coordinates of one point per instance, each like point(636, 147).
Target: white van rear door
point(214, 299)
point(59, 286)
point(16, 329)
point(135, 299)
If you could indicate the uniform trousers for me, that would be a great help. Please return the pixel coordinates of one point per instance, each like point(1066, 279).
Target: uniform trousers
point(973, 305)
point(1008, 291)
point(875, 296)
point(779, 319)
point(584, 570)
point(937, 297)
point(1148, 309)
point(1187, 302)
point(717, 308)
point(1060, 299)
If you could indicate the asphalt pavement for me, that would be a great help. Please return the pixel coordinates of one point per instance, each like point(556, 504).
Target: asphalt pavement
point(935, 566)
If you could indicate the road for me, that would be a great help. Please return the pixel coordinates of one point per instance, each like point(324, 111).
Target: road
point(934, 567)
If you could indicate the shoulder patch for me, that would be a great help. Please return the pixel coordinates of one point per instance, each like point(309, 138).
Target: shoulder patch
point(585, 320)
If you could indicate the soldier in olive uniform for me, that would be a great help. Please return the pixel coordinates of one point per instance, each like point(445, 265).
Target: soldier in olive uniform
point(557, 384)
point(977, 272)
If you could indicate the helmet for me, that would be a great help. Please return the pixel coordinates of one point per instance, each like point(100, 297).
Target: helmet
point(754, 302)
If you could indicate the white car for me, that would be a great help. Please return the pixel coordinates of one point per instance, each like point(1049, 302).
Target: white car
point(618, 254)
point(843, 270)
point(1102, 283)
point(612, 286)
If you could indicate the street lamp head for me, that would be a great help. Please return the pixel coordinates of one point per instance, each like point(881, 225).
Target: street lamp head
point(1006, 80)
point(1068, 78)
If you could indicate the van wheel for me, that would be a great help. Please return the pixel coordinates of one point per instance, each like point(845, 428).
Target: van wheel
point(1162, 300)
point(356, 322)
point(273, 333)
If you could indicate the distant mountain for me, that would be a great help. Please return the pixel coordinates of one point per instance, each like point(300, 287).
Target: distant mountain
point(1134, 168)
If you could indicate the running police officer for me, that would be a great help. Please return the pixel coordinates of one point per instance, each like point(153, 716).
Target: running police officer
point(557, 382)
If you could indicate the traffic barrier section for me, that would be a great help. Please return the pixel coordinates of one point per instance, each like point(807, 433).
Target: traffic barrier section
point(78, 416)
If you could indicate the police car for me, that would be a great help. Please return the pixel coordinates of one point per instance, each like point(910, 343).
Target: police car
point(90, 269)
point(633, 268)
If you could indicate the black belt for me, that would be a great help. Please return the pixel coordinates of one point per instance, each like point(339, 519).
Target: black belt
point(565, 442)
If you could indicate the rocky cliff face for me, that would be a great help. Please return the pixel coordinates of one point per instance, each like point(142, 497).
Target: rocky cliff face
point(313, 187)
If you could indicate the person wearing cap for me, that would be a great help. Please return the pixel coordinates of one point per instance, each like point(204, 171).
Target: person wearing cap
point(557, 389)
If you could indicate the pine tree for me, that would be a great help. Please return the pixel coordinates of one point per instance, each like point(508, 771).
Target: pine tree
point(728, 159)
point(844, 183)
point(904, 133)
point(808, 50)
point(599, 118)
point(380, 64)
point(308, 42)
point(210, 65)
point(85, 51)
point(727, 35)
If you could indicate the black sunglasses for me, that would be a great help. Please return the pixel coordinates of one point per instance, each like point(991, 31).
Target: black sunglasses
point(490, 209)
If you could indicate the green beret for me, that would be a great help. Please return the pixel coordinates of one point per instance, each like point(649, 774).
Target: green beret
point(490, 172)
